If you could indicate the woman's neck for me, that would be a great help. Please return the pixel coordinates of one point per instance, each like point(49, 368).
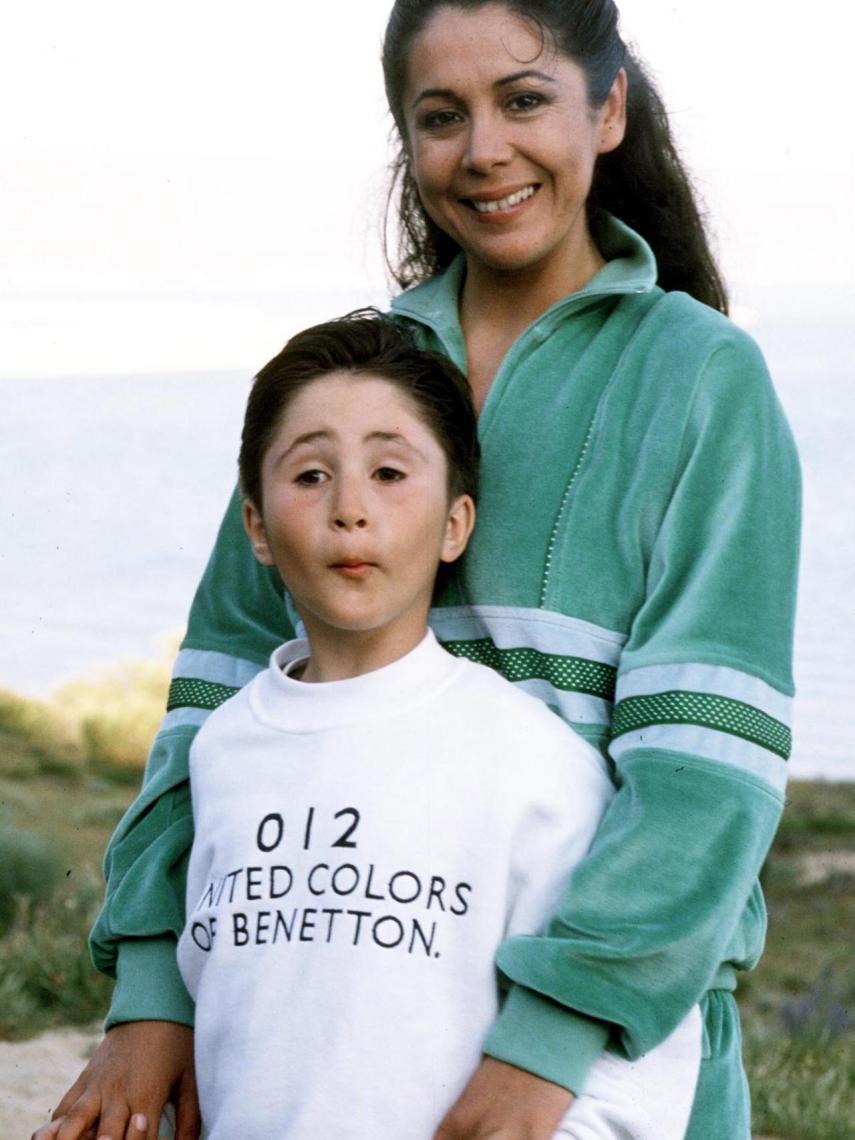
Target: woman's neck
point(497, 306)
point(520, 296)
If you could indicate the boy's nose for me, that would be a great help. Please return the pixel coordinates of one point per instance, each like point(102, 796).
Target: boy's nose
point(351, 521)
point(348, 509)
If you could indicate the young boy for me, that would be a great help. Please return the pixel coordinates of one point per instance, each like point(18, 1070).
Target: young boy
point(372, 815)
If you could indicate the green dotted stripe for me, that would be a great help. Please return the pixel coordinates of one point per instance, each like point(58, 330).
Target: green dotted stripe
point(707, 710)
point(570, 674)
point(193, 693)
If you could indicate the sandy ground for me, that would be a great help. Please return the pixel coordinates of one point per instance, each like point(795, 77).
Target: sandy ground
point(34, 1075)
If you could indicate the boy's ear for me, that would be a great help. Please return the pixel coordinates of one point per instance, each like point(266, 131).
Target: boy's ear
point(458, 528)
point(253, 524)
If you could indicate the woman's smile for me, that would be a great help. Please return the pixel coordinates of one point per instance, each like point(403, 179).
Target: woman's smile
point(499, 206)
point(501, 201)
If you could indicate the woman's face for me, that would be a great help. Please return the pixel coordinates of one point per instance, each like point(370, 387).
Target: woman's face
point(502, 140)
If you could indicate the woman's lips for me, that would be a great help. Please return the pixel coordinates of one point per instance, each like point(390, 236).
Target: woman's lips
point(501, 205)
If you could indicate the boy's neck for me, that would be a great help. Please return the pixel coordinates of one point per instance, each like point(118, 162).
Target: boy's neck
point(346, 655)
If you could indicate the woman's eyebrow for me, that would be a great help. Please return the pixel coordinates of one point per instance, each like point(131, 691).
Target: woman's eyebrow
point(447, 93)
point(529, 73)
point(431, 93)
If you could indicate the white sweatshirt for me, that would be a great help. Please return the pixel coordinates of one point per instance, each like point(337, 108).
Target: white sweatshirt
point(362, 847)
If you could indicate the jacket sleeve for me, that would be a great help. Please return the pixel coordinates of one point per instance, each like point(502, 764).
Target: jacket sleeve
point(237, 618)
point(666, 904)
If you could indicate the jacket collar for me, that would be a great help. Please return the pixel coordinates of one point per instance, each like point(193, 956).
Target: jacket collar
point(630, 268)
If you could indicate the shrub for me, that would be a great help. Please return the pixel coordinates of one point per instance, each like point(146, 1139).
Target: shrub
point(35, 737)
point(46, 978)
point(29, 873)
point(117, 716)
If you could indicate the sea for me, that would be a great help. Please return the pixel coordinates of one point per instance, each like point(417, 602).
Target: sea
point(112, 487)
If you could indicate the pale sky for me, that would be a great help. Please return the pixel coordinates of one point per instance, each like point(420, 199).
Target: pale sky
point(185, 183)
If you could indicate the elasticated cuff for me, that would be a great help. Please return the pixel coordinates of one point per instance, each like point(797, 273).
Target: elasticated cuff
point(537, 1034)
point(149, 986)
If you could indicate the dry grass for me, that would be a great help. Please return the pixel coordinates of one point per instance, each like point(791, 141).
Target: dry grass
point(102, 725)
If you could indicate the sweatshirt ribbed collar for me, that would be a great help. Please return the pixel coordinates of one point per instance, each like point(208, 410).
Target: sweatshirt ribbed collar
point(630, 268)
point(295, 706)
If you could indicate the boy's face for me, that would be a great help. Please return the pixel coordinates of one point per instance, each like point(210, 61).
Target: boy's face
point(356, 515)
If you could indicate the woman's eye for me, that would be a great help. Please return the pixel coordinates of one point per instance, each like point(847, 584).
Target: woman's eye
point(389, 475)
point(311, 478)
point(526, 101)
point(438, 120)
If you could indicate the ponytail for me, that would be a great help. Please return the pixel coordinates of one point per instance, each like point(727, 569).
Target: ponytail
point(646, 185)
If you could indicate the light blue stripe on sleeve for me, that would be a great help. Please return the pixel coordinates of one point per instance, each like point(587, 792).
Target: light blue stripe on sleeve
point(184, 717)
point(513, 627)
point(717, 680)
point(708, 744)
point(219, 668)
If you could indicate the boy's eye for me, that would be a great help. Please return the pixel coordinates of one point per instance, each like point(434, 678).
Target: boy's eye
point(389, 475)
point(311, 478)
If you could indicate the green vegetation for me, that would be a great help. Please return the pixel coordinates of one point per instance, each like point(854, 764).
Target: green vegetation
point(101, 726)
point(798, 1006)
point(68, 769)
point(117, 717)
point(29, 872)
point(46, 979)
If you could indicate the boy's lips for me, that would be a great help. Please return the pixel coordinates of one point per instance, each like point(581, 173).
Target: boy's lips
point(352, 567)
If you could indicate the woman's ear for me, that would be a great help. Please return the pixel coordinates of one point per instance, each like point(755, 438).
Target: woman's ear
point(458, 528)
point(613, 115)
point(253, 524)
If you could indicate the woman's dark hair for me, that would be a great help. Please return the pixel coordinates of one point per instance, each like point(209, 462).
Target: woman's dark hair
point(364, 342)
point(643, 181)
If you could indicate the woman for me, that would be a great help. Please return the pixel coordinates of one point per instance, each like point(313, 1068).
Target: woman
point(634, 565)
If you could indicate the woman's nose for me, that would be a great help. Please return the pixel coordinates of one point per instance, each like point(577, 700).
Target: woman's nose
point(488, 144)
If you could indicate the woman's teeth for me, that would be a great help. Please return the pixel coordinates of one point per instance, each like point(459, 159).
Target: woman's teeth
point(503, 203)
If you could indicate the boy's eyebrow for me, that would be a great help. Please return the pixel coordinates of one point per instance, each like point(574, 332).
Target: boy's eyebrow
point(390, 437)
point(307, 437)
point(395, 437)
point(447, 93)
point(322, 433)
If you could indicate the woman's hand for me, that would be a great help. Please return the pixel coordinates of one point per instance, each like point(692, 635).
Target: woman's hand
point(502, 1102)
point(121, 1093)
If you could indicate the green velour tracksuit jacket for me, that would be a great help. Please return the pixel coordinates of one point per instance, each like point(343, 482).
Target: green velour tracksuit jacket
point(633, 565)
